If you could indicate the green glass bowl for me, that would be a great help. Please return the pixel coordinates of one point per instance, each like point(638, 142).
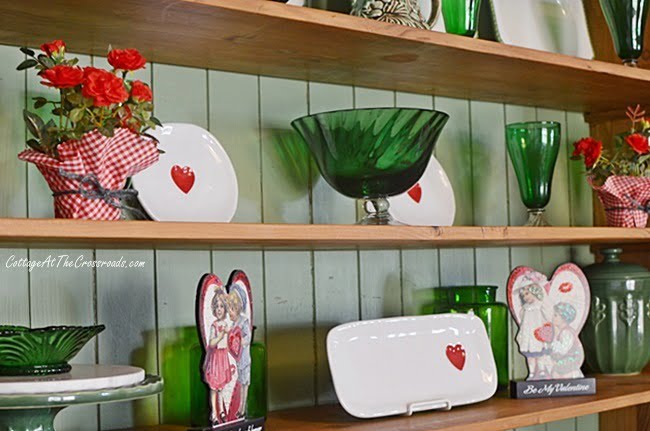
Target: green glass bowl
point(372, 153)
point(41, 351)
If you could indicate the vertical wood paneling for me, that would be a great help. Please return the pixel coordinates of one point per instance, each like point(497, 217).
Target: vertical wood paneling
point(420, 270)
point(379, 271)
point(288, 275)
point(14, 288)
point(454, 152)
point(335, 272)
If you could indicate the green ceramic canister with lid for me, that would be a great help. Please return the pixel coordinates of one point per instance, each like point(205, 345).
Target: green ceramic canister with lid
point(616, 336)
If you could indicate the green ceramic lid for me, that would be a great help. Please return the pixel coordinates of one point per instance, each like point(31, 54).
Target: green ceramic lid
point(613, 269)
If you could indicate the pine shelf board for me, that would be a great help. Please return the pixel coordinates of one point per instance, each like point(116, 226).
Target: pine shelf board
point(269, 38)
point(149, 234)
point(497, 414)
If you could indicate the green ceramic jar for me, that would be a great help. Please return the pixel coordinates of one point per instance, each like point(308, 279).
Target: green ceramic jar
point(616, 336)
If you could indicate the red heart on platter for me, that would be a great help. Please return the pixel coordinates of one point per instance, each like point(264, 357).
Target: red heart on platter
point(456, 355)
point(234, 342)
point(183, 178)
point(416, 193)
point(544, 333)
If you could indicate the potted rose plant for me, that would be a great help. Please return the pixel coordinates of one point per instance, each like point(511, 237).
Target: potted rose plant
point(96, 138)
point(621, 176)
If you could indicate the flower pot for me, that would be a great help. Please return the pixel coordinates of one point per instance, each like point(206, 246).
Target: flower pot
point(626, 200)
point(88, 177)
point(616, 336)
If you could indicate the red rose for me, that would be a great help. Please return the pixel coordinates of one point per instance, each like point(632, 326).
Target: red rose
point(126, 59)
point(590, 148)
point(62, 76)
point(54, 47)
point(639, 143)
point(140, 92)
point(103, 87)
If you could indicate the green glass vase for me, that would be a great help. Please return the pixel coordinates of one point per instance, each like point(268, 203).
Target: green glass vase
point(626, 20)
point(533, 148)
point(372, 153)
point(436, 301)
point(616, 336)
point(461, 16)
point(481, 300)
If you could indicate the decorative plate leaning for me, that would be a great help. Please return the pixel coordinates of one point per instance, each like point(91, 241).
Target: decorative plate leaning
point(93, 137)
point(621, 175)
point(405, 365)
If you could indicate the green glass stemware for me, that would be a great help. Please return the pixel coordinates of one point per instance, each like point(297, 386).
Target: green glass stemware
point(372, 153)
point(626, 20)
point(461, 16)
point(533, 149)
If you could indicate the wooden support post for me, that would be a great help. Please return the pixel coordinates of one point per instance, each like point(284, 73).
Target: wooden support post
point(635, 418)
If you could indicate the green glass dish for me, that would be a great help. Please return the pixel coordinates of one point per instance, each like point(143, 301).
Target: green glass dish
point(372, 153)
point(41, 351)
point(533, 148)
point(626, 20)
point(481, 300)
point(616, 336)
point(461, 16)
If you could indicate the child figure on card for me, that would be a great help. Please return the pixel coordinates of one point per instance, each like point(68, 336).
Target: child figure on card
point(566, 349)
point(217, 366)
point(532, 316)
point(240, 341)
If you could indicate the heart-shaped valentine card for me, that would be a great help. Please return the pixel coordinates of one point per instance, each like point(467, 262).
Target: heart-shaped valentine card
point(550, 315)
point(224, 315)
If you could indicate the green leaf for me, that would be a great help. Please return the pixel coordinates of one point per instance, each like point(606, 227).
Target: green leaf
point(34, 145)
point(156, 121)
point(34, 123)
point(45, 60)
point(76, 114)
point(27, 64)
point(75, 98)
point(27, 51)
point(57, 111)
point(39, 102)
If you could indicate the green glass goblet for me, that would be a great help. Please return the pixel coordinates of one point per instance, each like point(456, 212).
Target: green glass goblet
point(533, 149)
point(461, 16)
point(372, 153)
point(626, 20)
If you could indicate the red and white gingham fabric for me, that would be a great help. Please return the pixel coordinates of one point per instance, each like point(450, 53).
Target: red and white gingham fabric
point(112, 160)
point(619, 195)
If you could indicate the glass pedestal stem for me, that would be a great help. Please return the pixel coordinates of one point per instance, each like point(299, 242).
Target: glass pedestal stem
point(377, 212)
point(28, 419)
point(536, 218)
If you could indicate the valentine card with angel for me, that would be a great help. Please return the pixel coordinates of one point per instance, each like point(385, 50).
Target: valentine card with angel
point(550, 315)
point(225, 321)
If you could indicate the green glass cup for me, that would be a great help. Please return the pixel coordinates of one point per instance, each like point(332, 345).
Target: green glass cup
point(533, 148)
point(626, 20)
point(461, 16)
point(372, 153)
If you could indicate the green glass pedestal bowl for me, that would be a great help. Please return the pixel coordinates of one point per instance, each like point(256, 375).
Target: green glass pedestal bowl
point(372, 153)
point(41, 351)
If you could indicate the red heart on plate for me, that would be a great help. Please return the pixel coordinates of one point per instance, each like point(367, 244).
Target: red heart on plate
point(416, 193)
point(456, 355)
point(183, 178)
point(544, 333)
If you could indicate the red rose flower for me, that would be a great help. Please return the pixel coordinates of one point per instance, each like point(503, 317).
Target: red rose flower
point(140, 92)
point(126, 59)
point(54, 47)
point(639, 143)
point(103, 87)
point(590, 148)
point(62, 76)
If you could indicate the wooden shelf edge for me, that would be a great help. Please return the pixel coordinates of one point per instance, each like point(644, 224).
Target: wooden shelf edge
point(149, 234)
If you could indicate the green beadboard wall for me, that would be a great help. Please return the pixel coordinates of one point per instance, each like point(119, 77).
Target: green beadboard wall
point(299, 295)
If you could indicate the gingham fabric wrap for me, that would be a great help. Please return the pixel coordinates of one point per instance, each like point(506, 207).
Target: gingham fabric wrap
point(112, 160)
point(618, 195)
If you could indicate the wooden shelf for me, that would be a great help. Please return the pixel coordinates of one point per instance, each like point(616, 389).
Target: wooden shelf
point(497, 414)
point(149, 234)
point(270, 38)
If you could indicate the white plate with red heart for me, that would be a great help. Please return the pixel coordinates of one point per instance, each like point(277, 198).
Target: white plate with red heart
point(430, 202)
point(403, 365)
point(194, 180)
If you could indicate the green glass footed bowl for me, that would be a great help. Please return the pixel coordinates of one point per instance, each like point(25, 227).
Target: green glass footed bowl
point(372, 153)
point(41, 351)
